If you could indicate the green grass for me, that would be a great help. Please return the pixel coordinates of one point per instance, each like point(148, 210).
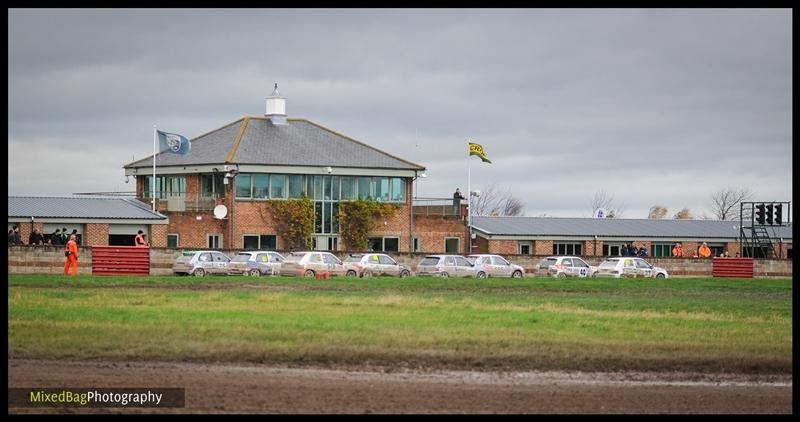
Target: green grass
point(701, 324)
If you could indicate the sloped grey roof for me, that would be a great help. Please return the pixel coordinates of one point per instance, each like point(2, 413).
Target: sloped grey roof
point(613, 227)
point(80, 207)
point(299, 142)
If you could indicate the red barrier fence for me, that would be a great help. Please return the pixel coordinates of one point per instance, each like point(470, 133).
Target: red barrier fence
point(732, 267)
point(120, 260)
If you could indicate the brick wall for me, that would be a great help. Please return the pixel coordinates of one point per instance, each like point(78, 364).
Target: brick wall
point(95, 234)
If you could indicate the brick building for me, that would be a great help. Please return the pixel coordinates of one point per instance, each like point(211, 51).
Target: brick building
point(605, 236)
point(240, 168)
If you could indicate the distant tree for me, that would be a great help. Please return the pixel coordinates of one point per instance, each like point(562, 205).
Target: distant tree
point(605, 200)
point(657, 211)
point(725, 202)
point(683, 214)
point(497, 202)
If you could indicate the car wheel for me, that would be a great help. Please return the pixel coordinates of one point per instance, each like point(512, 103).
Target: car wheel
point(351, 273)
point(367, 274)
point(517, 274)
point(660, 275)
point(309, 273)
point(481, 274)
point(199, 272)
point(255, 272)
point(562, 275)
point(404, 274)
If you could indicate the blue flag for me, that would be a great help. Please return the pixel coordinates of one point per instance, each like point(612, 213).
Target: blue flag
point(176, 144)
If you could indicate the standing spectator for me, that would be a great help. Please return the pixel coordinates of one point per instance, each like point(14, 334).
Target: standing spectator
point(139, 240)
point(457, 197)
point(642, 252)
point(677, 250)
point(71, 252)
point(17, 236)
point(704, 251)
point(64, 236)
point(55, 238)
point(623, 250)
point(632, 251)
point(738, 255)
point(10, 237)
point(77, 236)
point(35, 238)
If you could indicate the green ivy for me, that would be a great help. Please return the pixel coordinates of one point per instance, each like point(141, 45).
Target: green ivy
point(295, 218)
point(358, 218)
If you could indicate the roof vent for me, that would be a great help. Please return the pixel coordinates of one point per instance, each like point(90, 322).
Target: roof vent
point(276, 107)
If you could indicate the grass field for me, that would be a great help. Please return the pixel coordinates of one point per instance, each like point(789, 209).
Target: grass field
point(699, 324)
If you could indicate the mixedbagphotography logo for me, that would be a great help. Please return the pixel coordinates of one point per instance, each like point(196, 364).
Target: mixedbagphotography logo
point(96, 397)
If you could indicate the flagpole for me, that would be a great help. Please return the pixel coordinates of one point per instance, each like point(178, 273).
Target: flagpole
point(469, 200)
point(153, 190)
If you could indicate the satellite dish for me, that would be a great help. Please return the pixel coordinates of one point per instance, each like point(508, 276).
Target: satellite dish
point(600, 213)
point(220, 211)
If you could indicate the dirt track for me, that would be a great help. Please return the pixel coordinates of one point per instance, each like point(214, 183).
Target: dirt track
point(246, 388)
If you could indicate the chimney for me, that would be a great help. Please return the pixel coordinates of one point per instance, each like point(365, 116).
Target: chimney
point(276, 107)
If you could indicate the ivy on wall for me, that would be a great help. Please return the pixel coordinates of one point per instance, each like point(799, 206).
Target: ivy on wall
point(358, 218)
point(295, 218)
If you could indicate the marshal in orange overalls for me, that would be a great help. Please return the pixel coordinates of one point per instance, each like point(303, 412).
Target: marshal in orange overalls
point(72, 257)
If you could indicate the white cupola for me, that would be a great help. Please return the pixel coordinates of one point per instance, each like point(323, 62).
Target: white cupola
point(276, 107)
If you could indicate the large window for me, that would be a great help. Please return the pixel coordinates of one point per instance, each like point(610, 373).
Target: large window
point(259, 242)
point(212, 185)
point(661, 249)
point(296, 186)
point(567, 249)
point(166, 186)
point(277, 186)
point(384, 244)
point(610, 249)
point(243, 185)
point(260, 186)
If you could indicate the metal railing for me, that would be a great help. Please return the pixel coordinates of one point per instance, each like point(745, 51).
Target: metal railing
point(437, 207)
point(177, 202)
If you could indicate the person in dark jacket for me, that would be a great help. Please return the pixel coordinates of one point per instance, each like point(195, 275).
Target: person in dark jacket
point(35, 238)
point(55, 238)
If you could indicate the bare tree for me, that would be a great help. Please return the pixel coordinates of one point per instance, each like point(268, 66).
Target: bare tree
point(603, 199)
point(497, 202)
point(725, 202)
point(657, 211)
point(683, 214)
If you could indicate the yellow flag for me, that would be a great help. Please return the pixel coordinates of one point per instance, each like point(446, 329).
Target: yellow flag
point(475, 149)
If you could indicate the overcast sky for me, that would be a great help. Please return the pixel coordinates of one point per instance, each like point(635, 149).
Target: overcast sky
point(652, 106)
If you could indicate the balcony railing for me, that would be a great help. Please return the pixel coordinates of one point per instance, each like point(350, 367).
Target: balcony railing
point(438, 207)
point(177, 202)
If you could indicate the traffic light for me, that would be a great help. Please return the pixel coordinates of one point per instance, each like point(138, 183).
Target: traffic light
point(760, 214)
point(778, 214)
point(769, 214)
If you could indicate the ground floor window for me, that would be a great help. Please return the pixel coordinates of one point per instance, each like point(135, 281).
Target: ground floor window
point(524, 248)
point(416, 245)
point(214, 241)
point(121, 240)
point(452, 245)
point(611, 249)
point(384, 244)
point(173, 240)
point(259, 241)
point(661, 249)
point(567, 249)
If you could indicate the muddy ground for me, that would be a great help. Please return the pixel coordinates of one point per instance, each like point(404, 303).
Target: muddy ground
point(252, 388)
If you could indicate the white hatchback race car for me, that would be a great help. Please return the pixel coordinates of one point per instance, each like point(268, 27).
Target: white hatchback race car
point(629, 267)
point(564, 266)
